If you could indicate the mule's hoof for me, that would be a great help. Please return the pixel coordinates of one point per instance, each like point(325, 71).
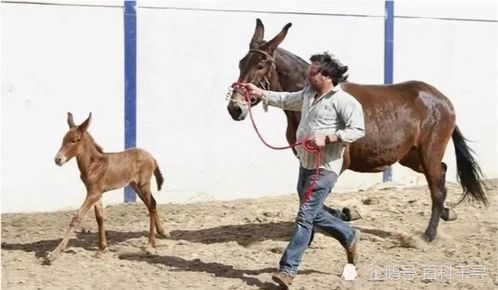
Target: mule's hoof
point(428, 238)
point(451, 215)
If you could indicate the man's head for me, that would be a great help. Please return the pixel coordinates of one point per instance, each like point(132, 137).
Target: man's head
point(324, 68)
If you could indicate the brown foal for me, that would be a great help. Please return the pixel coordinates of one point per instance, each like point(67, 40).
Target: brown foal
point(101, 172)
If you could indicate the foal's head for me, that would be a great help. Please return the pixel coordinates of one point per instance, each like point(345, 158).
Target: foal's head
point(74, 141)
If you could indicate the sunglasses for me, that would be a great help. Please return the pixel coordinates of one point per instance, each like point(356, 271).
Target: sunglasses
point(314, 70)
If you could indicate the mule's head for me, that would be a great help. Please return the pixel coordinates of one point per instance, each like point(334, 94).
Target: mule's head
point(258, 66)
point(72, 143)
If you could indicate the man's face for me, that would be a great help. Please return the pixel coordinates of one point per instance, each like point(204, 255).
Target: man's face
point(315, 78)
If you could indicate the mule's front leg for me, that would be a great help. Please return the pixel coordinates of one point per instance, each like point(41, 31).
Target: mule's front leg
point(76, 220)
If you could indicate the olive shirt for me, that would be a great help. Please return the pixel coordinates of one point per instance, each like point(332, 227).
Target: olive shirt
point(335, 112)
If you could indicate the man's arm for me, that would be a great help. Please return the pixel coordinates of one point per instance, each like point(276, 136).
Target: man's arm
point(284, 100)
point(351, 112)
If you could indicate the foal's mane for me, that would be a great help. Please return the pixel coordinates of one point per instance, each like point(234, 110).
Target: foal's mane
point(97, 146)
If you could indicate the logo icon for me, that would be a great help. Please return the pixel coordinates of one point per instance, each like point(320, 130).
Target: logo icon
point(349, 272)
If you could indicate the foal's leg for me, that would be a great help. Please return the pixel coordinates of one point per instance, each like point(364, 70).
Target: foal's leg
point(138, 190)
point(91, 198)
point(145, 195)
point(99, 216)
point(153, 211)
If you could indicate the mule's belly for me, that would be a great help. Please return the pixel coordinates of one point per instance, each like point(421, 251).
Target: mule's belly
point(370, 160)
point(382, 147)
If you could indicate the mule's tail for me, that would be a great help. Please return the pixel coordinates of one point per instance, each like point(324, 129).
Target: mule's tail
point(159, 176)
point(469, 172)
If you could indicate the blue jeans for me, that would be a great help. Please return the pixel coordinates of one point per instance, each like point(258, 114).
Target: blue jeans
point(312, 213)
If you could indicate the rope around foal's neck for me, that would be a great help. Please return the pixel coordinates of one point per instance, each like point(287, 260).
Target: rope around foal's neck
point(305, 142)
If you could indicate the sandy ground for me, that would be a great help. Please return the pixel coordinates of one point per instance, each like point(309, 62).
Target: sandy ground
point(237, 245)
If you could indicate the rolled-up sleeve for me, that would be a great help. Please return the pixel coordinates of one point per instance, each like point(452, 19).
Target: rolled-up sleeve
point(351, 112)
point(284, 100)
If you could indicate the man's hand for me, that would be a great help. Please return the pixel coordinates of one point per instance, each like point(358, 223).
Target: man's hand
point(253, 90)
point(319, 141)
point(332, 139)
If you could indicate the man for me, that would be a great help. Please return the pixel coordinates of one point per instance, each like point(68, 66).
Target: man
point(330, 118)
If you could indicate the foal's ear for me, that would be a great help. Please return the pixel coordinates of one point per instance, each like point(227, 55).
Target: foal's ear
point(259, 33)
point(70, 120)
point(84, 126)
point(272, 44)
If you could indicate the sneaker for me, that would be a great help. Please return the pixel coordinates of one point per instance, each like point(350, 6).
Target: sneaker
point(283, 279)
point(350, 214)
point(353, 251)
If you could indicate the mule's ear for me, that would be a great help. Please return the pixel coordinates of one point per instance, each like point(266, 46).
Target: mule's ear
point(259, 33)
point(272, 44)
point(70, 120)
point(84, 126)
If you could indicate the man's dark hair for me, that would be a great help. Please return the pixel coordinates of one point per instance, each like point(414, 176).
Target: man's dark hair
point(331, 67)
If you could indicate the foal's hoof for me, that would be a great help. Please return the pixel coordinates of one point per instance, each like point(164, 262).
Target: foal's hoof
point(98, 254)
point(164, 235)
point(49, 259)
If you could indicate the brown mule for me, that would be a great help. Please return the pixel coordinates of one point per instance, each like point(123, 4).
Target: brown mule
point(410, 123)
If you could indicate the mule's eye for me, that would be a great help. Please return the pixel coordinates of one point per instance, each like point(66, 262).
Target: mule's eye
point(261, 65)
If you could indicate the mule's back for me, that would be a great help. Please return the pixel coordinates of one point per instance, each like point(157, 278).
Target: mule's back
point(397, 118)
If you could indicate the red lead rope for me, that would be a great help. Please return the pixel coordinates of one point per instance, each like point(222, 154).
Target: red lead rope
point(304, 142)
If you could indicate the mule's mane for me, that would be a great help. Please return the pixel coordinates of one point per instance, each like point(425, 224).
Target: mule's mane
point(292, 70)
point(97, 146)
point(294, 58)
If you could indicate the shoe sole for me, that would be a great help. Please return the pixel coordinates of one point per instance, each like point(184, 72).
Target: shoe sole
point(280, 282)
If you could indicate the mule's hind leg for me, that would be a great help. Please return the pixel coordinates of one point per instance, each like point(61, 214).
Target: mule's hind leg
point(99, 216)
point(412, 160)
point(448, 214)
point(431, 153)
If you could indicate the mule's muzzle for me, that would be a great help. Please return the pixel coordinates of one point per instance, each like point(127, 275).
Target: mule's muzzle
point(235, 112)
point(237, 109)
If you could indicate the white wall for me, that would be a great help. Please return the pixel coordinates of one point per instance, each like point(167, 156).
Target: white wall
point(56, 59)
point(71, 59)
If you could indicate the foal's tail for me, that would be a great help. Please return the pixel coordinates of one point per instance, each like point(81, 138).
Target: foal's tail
point(158, 175)
point(469, 172)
